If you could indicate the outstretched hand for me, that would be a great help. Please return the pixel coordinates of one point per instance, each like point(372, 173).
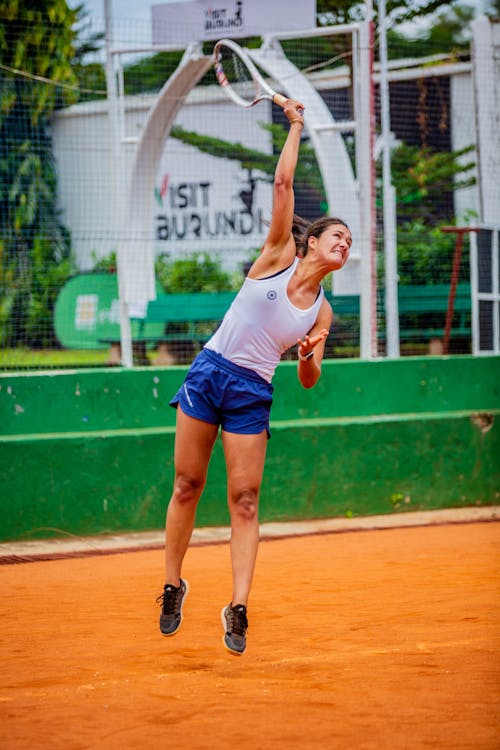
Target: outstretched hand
point(307, 344)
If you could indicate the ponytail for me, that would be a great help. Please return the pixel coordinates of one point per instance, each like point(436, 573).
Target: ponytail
point(299, 232)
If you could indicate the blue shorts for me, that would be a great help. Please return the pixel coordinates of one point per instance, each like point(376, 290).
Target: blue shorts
point(219, 392)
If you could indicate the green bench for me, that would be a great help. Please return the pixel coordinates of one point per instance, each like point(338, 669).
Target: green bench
point(190, 309)
point(188, 319)
point(191, 318)
point(422, 311)
point(420, 306)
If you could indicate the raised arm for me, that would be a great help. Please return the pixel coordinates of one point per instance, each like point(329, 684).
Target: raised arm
point(278, 250)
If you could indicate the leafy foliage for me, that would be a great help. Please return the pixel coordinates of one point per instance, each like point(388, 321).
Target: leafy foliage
point(425, 254)
point(197, 273)
point(149, 74)
point(399, 11)
point(421, 177)
point(35, 248)
point(106, 263)
point(449, 33)
point(37, 38)
point(91, 76)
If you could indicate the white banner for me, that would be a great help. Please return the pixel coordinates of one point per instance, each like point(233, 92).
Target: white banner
point(202, 20)
point(207, 204)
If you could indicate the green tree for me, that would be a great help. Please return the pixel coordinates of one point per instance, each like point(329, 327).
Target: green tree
point(37, 43)
point(425, 254)
point(421, 178)
point(150, 73)
point(330, 12)
point(448, 31)
point(91, 76)
point(307, 175)
point(197, 273)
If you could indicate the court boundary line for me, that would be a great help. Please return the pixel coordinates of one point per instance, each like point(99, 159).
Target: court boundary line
point(44, 550)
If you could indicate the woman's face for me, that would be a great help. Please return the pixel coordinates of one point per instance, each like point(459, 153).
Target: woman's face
point(334, 244)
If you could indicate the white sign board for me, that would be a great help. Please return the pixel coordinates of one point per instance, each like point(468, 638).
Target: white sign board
point(203, 20)
point(203, 203)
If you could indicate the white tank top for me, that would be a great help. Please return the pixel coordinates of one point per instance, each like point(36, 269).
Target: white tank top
point(262, 323)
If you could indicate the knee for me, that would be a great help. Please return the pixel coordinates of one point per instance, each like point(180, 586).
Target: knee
point(187, 489)
point(245, 504)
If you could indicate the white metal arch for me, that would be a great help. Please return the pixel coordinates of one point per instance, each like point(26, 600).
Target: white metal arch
point(137, 252)
point(137, 269)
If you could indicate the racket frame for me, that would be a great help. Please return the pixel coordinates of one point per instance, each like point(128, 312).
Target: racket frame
point(267, 92)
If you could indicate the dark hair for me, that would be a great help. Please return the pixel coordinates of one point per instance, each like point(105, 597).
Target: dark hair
point(302, 230)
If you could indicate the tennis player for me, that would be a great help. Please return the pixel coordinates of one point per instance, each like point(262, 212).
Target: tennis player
point(281, 304)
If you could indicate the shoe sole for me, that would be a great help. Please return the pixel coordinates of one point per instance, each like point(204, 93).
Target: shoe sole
point(168, 635)
point(224, 625)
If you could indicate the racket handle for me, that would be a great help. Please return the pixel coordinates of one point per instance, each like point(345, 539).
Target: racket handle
point(281, 100)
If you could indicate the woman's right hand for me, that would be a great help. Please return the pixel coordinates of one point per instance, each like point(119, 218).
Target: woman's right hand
point(294, 111)
point(279, 249)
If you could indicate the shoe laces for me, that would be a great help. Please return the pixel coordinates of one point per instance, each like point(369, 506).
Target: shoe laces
point(170, 599)
point(238, 622)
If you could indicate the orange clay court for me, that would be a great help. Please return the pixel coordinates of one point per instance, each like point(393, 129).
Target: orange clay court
point(380, 639)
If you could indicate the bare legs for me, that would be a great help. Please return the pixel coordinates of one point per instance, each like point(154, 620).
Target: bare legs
point(245, 456)
point(194, 441)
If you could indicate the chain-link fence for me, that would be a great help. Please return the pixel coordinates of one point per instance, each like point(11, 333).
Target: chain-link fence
point(66, 165)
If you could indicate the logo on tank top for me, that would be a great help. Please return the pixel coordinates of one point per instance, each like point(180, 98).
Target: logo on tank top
point(271, 295)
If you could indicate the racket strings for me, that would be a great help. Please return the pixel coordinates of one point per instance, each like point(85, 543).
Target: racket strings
point(233, 71)
point(240, 70)
point(237, 72)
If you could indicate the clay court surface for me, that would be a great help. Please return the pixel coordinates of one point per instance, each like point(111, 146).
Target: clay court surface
point(381, 639)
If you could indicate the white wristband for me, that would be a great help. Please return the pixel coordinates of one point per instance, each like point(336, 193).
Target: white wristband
point(307, 356)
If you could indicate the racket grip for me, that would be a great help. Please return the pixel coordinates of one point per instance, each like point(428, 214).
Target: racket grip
point(281, 100)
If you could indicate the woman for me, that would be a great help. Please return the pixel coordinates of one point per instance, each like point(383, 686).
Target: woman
point(281, 303)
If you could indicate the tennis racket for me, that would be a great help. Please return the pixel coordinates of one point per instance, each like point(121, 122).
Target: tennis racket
point(240, 78)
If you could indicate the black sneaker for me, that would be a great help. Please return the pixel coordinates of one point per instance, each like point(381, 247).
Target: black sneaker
point(235, 624)
point(172, 601)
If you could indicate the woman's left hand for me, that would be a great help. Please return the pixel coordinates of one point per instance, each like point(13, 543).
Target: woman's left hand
point(307, 344)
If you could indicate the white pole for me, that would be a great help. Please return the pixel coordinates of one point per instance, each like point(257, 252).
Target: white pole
point(486, 36)
point(389, 198)
point(365, 172)
point(114, 114)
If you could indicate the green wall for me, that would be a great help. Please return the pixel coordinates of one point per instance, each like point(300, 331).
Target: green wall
point(87, 452)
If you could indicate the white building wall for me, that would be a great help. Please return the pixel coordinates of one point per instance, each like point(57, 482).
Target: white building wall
point(82, 149)
point(84, 152)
